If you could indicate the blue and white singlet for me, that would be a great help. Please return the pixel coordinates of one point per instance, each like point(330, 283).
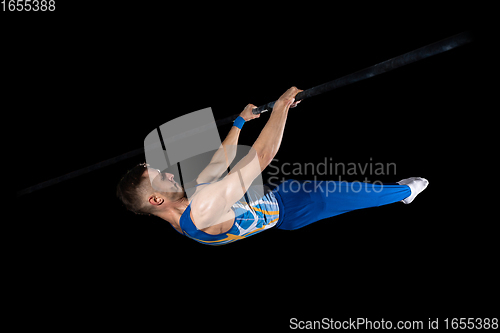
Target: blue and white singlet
point(253, 213)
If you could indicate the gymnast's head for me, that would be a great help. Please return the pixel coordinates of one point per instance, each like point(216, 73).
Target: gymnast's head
point(144, 190)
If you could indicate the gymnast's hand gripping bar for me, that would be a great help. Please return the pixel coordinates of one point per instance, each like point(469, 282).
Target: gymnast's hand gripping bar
point(383, 67)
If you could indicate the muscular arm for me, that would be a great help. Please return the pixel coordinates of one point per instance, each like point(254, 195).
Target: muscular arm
point(217, 199)
point(224, 156)
point(269, 141)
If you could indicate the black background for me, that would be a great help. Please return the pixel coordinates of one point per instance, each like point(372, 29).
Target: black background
point(88, 83)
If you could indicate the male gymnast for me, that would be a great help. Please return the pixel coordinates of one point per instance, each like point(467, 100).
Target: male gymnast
point(222, 211)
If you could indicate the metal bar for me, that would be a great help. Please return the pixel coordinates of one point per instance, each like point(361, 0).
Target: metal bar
point(383, 67)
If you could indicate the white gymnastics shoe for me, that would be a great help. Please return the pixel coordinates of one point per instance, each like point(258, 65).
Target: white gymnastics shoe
point(416, 184)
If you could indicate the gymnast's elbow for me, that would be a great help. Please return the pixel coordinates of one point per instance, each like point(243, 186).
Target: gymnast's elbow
point(265, 158)
point(264, 153)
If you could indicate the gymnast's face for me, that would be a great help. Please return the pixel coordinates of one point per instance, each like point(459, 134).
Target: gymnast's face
point(164, 183)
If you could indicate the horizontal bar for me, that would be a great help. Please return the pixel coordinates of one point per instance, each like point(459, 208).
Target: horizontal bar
point(383, 67)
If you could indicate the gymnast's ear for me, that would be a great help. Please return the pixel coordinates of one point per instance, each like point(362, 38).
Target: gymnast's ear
point(156, 200)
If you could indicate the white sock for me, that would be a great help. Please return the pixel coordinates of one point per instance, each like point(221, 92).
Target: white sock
point(416, 185)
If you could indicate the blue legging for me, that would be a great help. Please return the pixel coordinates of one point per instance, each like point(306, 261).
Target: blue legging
point(305, 202)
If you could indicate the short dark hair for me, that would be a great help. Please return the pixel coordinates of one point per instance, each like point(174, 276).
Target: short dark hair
point(132, 189)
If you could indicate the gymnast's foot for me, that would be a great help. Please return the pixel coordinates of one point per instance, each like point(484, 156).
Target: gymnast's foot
point(416, 185)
